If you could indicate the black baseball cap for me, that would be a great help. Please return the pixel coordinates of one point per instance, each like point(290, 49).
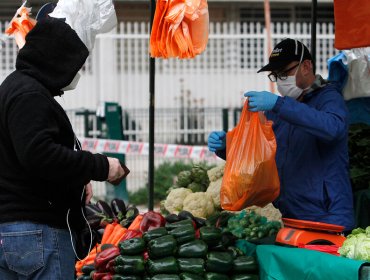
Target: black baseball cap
point(284, 53)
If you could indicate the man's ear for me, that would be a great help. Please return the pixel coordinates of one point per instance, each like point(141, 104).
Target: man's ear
point(307, 67)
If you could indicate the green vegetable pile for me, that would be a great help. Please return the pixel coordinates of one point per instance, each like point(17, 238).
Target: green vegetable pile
point(357, 245)
point(359, 155)
point(250, 226)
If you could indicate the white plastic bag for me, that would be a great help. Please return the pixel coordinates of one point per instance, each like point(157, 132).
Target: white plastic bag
point(87, 17)
point(358, 84)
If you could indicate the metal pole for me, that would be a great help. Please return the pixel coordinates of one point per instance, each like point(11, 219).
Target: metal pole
point(151, 117)
point(313, 32)
point(268, 32)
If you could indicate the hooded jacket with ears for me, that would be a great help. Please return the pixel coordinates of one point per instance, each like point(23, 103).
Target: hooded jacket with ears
point(41, 174)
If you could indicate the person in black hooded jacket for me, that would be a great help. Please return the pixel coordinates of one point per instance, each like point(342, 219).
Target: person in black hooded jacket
point(42, 173)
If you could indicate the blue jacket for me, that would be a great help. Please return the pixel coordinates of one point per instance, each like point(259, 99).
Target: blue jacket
point(312, 158)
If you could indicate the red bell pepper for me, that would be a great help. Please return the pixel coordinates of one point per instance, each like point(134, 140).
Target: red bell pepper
point(131, 234)
point(146, 255)
point(101, 276)
point(152, 220)
point(104, 257)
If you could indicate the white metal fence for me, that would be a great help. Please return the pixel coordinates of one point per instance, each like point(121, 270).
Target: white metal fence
point(118, 71)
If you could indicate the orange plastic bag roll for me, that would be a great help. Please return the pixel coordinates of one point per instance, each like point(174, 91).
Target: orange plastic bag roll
point(250, 176)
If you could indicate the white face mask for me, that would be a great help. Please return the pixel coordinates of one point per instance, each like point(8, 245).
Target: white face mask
point(289, 87)
point(73, 84)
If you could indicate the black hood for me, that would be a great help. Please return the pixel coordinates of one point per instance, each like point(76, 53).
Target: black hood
point(53, 54)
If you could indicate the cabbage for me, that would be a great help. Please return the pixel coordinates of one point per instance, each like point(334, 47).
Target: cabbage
point(357, 245)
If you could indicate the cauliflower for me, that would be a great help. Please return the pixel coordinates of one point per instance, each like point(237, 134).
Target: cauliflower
point(200, 204)
point(215, 173)
point(214, 190)
point(175, 199)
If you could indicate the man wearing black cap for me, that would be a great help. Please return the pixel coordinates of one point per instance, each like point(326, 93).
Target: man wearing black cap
point(311, 128)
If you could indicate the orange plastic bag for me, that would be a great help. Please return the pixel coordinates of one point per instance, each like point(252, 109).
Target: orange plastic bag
point(20, 25)
point(250, 176)
point(352, 28)
point(180, 28)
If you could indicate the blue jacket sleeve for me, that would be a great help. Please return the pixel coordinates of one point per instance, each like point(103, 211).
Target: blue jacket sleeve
point(325, 118)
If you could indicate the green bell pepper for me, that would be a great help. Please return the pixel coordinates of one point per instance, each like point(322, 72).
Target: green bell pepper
point(245, 277)
point(190, 276)
point(219, 262)
point(192, 265)
point(86, 269)
point(166, 265)
point(125, 277)
point(183, 234)
point(165, 277)
point(210, 235)
point(244, 264)
point(129, 265)
point(193, 249)
point(216, 276)
point(154, 233)
point(179, 224)
point(131, 247)
point(162, 247)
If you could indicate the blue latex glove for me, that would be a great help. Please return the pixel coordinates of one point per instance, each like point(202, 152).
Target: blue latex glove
point(260, 100)
point(217, 141)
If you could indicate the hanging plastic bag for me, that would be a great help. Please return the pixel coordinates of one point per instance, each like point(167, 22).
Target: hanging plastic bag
point(180, 28)
point(88, 18)
point(20, 25)
point(250, 176)
point(358, 83)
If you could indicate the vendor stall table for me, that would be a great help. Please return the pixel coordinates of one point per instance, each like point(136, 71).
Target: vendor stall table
point(285, 263)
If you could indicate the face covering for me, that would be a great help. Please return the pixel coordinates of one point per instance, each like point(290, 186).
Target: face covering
point(73, 84)
point(288, 87)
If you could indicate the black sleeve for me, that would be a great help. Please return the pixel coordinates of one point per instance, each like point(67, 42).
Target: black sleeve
point(34, 133)
point(221, 154)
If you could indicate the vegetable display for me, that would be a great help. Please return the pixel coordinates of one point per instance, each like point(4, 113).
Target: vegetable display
point(357, 245)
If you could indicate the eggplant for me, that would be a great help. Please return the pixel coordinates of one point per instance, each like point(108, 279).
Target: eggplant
point(185, 215)
point(131, 214)
point(93, 210)
point(105, 208)
point(172, 218)
point(132, 211)
point(118, 206)
point(94, 221)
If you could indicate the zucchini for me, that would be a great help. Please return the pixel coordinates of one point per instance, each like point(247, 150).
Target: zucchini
point(191, 265)
point(193, 249)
